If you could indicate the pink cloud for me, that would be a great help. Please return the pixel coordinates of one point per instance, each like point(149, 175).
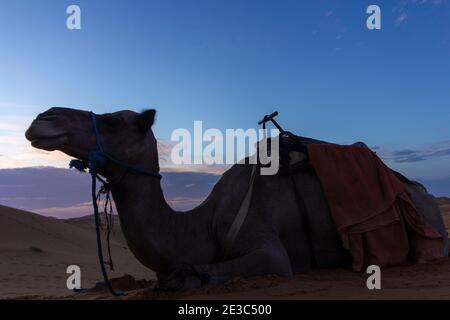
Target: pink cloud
point(401, 18)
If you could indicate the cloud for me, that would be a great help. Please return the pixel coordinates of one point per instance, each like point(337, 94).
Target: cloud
point(17, 151)
point(420, 154)
point(431, 2)
point(401, 8)
point(184, 203)
point(14, 123)
point(165, 163)
point(77, 210)
point(401, 18)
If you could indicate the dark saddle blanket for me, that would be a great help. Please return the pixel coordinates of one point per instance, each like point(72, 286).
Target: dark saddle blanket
point(293, 151)
point(295, 156)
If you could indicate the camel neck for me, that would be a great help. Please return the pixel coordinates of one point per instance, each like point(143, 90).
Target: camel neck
point(157, 235)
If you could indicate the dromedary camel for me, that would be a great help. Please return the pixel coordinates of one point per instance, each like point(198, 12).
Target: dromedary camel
point(270, 241)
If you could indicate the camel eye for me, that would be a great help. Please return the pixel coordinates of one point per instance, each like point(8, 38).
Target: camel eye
point(115, 122)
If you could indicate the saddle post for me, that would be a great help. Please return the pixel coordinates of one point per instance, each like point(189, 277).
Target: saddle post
point(271, 118)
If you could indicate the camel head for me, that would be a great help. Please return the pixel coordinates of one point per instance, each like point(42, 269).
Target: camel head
point(126, 135)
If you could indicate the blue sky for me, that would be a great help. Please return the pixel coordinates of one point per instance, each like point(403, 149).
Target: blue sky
point(230, 62)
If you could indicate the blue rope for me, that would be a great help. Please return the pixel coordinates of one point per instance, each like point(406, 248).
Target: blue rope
point(99, 238)
point(98, 157)
point(96, 160)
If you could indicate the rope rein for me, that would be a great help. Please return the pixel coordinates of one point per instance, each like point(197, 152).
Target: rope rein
point(97, 160)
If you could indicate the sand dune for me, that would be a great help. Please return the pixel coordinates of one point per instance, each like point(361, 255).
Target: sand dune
point(35, 251)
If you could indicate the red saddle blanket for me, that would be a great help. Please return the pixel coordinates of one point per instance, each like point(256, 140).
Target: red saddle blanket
point(374, 216)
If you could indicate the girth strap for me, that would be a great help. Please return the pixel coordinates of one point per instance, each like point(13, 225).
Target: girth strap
point(240, 216)
point(243, 212)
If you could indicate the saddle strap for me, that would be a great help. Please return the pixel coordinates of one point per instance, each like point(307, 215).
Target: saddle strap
point(240, 216)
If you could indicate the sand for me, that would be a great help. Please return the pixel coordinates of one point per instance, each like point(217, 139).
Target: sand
point(35, 252)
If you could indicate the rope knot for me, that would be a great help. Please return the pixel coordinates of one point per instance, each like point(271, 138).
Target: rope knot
point(105, 189)
point(80, 165)
point(96, 161)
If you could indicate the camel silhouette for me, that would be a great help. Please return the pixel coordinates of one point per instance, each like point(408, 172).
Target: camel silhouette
point(185, 249)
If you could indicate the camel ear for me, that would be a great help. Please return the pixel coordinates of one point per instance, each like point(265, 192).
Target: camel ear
point(146, 119)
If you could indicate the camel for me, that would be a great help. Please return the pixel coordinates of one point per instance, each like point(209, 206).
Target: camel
point(185, 249)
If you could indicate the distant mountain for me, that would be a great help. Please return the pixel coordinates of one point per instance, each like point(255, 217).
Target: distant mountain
point(65, 193)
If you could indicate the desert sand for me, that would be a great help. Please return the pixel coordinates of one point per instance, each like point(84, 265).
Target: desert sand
point(35, 252)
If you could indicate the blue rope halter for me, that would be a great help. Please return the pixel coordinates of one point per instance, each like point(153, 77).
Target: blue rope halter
point(98, 157)
point(96, 161)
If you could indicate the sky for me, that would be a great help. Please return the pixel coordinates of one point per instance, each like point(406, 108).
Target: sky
point(228, 63)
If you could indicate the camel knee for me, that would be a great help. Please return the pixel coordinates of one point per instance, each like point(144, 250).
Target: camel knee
point(275, 260)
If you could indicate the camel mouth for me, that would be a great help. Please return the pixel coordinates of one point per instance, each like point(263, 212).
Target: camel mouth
point(43, 136)
point(49, 143)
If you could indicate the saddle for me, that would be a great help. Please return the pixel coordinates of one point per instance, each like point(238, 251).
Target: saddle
point(293, 153)
point(293, 158)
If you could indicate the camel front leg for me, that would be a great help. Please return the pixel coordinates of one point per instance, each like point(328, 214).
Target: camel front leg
point(271, 259)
